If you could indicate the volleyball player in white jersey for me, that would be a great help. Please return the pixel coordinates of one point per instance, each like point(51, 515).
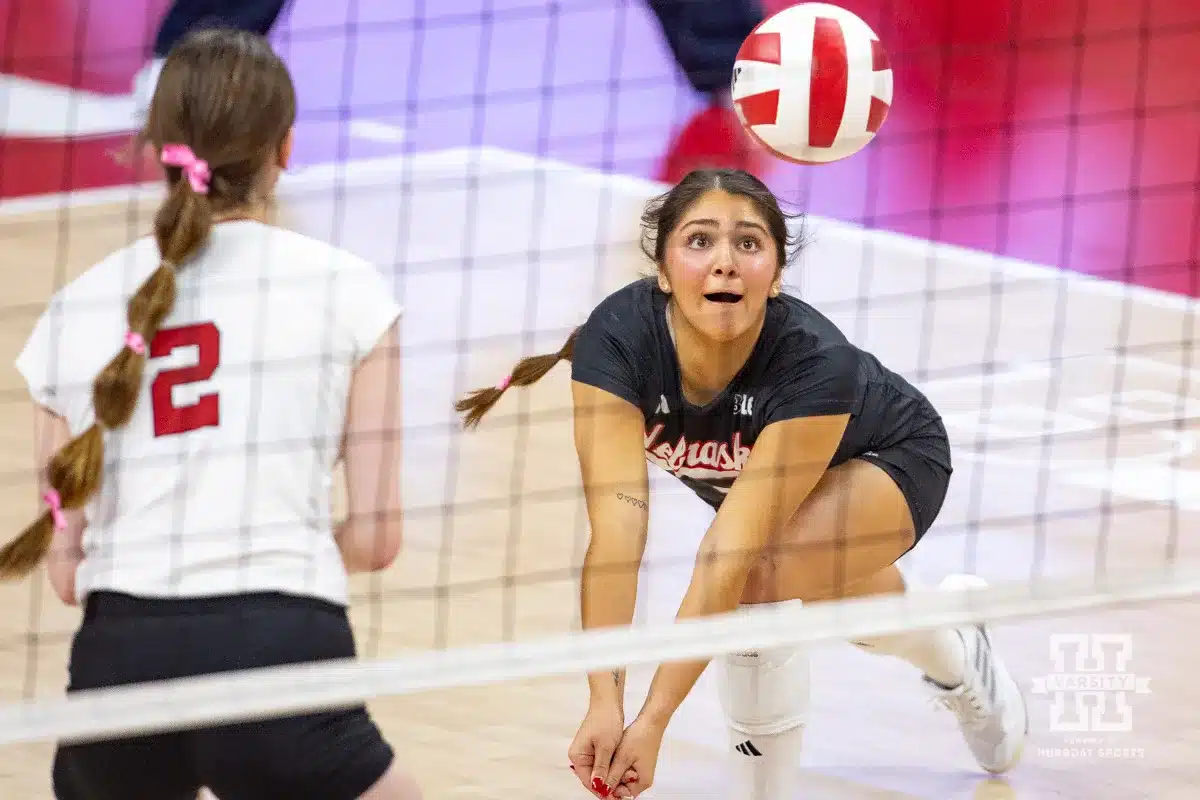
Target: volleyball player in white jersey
point(823, 466)
point(193, 394)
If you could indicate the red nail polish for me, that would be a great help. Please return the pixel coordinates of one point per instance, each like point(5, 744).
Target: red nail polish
point(599, 787)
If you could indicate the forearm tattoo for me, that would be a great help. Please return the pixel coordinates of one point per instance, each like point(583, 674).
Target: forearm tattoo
point(633, 501)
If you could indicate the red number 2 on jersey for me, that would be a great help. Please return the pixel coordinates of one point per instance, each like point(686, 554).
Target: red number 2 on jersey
point(170, 419)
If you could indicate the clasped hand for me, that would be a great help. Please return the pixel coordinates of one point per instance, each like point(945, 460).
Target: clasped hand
point(611, 760)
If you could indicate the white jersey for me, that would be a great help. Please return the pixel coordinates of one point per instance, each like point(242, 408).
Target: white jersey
point(221, 482)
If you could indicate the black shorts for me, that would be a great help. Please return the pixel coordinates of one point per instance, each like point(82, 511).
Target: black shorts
point(920, 465)
point(336, 755)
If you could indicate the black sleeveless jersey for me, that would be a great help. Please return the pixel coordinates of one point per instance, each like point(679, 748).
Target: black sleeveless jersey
point(802, 365)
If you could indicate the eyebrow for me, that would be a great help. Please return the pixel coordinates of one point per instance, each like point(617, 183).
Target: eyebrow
point(714, 223)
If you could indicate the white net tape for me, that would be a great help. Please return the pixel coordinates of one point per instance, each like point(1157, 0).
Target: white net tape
point(239, 696)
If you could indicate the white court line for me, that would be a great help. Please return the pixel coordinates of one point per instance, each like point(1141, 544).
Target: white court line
point(41, 110)
point(1015, 374)
point(84, 198)
point(1020, 373)
point(360, 172)
point(975, 259)
point(356, 172)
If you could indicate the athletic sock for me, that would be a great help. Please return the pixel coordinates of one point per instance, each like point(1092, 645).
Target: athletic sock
point(939, 654)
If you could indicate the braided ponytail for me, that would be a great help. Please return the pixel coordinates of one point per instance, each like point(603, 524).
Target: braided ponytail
point(74, 474)
point(527, 371)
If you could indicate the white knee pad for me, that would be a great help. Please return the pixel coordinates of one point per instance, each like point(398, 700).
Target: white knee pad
point(765, 692)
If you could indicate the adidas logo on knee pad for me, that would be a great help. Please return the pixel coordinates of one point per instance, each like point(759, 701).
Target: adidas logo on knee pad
point(747, 748)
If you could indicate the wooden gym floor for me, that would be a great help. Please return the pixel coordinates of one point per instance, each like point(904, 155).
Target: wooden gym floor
point(497, 255)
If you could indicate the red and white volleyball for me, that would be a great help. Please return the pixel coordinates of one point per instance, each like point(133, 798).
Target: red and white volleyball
point(812, 83)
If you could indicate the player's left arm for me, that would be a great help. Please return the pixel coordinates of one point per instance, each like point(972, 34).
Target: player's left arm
point(50, 434)
point(804, 429)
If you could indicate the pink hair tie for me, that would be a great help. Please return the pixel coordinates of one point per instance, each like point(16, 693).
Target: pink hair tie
point(196, 169)
point(502, 385)
point(53, 500)
point(136, 343)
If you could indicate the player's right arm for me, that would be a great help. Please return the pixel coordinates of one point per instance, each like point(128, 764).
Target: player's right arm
point(609, 441)
point(609, 374)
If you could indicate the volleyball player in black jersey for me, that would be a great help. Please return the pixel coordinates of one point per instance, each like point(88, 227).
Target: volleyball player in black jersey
point(824, 467)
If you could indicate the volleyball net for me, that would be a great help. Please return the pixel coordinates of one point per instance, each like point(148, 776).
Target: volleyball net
point(1068, 390)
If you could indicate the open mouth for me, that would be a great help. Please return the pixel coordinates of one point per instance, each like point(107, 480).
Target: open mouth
point(723, 297)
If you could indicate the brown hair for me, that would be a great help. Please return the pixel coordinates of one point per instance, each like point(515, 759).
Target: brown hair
point(663, 213)
point(227, 97)
point(661, 216)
